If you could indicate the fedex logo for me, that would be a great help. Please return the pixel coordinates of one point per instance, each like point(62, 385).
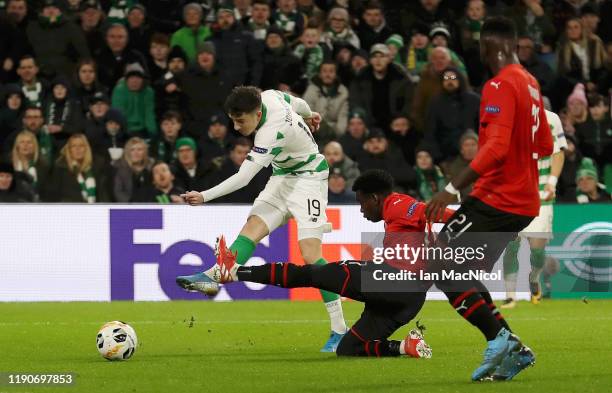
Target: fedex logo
point(125, 253)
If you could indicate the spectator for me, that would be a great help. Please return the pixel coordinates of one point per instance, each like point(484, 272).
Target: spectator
point(34, 122)
point(416, 57)
point(16, 42)
point(189, 172)
point(403, 135)
point(197, 82)
point(33, 89)
point(310, 52)
point(76, 177)
point(242, 10)
point(86, 83)
point(9, 191)
point(132, 171)
point(382, 89)
point(450, 115)
point(11, 112)
point(577, 110)
point(595, 134)
point(259, 21)
point(163, 189)
point(91, 23)
point(355, 136)
point(429, 12)
point(239, 54)
point(395, 43)
point(589, 189)
point(540, 70)
point(193, 33)
point(531, 19)
point(158, 56)
point(470, 26)
point(163, 147)
point(589, 16)
point(581, 59)
point(312, 13)
point(288, 19)
point(213, 145)
point(53, 38)
point(238, 153)
point(343, 55)
point(338, 30)
point(439, 36)
point(429, 177)
point(336, 159)
point(339, 192)
point(468, 147)
point(377, 154)
point(138, 31)
point(26, 160)
point(115, 56)
point(282, 70)
point(168, 95)
point(430, 84)
point(105, 128)
point(566, 186)
point(327, 96)
point(136, 100)
point(373, 29)
point(63, 114)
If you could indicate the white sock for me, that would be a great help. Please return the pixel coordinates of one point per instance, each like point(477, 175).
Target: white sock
point(402, 347)
point(511, 286)
point(215, 272)
point(336, 316)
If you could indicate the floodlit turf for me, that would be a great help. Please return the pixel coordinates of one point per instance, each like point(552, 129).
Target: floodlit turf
point(274, 347)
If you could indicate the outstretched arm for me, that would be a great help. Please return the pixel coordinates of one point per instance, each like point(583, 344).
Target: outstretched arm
point(245, 174)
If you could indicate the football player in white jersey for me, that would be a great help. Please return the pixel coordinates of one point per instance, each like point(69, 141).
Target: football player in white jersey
point(539, 231)
point(297, 188)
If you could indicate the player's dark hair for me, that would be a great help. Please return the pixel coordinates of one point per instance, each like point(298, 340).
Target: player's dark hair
point(374, 181)
point(499, 26)
point(243, 99)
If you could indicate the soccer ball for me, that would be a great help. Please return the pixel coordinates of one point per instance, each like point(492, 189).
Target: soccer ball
point(116, 340)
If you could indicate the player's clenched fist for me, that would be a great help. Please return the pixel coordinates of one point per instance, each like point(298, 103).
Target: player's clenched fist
point(193, 198)
point(314, 121)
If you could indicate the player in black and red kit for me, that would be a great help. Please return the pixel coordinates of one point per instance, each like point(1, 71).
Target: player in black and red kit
point(385, 310)
point(513, 134)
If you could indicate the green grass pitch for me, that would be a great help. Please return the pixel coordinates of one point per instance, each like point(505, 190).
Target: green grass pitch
point(274, 347)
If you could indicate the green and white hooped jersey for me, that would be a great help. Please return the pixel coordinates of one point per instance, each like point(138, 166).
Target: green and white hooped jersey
point(283, 139)
point(559, 142)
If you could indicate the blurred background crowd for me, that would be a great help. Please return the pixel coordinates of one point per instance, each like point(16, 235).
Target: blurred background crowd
point(122, 100)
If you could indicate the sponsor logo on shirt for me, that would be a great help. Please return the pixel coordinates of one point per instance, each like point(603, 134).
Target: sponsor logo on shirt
point(496, 84)
point(412, 208)
point(494, 109)
point(260, 150)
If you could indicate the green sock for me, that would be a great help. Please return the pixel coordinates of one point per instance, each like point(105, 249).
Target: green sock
point(511, 267)
point(327, 296)
point(510, 257)
point(244, 248)
point(537, 263)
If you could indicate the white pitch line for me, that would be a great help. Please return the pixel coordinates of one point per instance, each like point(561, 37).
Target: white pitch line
point(271, 321)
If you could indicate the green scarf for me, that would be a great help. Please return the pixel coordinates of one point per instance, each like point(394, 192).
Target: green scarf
point(313, 58)
point(162, 198)
point(30, 170)
point(45, 142)
point(429, 182)
point(87, 182)
point(287, 22)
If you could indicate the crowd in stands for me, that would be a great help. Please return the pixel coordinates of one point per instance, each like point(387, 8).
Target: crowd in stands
point(122, 100)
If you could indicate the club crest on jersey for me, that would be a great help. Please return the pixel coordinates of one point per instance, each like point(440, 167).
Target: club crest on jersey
point(494, 109)
point(260, 150)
